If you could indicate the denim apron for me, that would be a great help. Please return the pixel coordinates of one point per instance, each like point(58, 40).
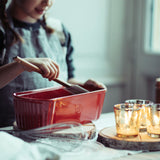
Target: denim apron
point(37, 43)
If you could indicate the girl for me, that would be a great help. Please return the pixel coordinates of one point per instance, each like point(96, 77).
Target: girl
point(25, 32)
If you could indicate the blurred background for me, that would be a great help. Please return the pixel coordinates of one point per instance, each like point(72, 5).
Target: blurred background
point(116, 42)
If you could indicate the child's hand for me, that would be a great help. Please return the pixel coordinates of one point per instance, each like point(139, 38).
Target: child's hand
point(94, 84)
point(49, 69)
point(91, 84)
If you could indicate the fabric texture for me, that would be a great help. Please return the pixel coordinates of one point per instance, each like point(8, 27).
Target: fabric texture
point(13, 148)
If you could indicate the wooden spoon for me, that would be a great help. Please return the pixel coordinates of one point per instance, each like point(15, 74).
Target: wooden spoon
point(74, 89)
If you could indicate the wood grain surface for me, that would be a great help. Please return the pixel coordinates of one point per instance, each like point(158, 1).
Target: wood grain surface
point(107, 136)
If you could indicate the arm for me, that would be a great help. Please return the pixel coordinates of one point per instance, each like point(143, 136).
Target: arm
point(69, 54)
point(9, 72)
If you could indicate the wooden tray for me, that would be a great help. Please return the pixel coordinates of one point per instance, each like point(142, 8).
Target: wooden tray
point(107, 136)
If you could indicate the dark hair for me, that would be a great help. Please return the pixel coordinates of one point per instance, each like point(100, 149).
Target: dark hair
point(7, 27)
point(5, 22)
point(47, 28)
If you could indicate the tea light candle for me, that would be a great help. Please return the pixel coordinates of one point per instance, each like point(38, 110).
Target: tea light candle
point(143, 111)
point(127, 119)
point(153, 121)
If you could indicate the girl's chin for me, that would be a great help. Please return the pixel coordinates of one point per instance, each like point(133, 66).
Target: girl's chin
point(39, 16)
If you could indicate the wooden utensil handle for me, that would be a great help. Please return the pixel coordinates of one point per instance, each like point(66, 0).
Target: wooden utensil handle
point(27, 64)
point(36, 69)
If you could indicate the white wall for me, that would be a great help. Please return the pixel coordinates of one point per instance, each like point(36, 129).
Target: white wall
point(97, 32)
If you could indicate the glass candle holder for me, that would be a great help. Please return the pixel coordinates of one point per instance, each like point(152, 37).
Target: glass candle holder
point(143, 104)
point(127, 120)
point(153, 121)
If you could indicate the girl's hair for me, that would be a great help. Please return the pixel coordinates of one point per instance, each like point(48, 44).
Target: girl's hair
point(47, 28)
point(5, 23)
point(7, 27)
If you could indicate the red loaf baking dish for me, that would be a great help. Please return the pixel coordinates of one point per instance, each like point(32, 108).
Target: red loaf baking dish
point(37, 108)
